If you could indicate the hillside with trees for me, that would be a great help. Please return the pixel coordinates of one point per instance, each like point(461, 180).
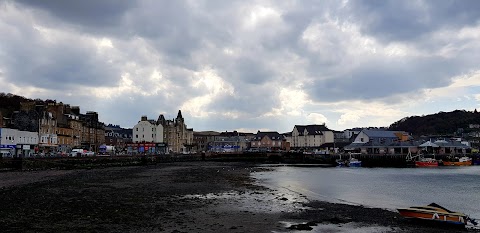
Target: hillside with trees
point(442, 123)
point(10, 103)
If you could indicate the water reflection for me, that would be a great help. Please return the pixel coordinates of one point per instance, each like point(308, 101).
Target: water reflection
point(389, 188)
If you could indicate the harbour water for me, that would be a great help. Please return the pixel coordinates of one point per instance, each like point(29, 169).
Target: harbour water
point(455, 188)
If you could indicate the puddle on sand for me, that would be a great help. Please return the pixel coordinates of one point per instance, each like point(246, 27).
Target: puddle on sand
point(344, 228)
point(257, 201)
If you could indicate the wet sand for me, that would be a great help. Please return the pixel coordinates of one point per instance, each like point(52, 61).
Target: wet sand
point(176, 197)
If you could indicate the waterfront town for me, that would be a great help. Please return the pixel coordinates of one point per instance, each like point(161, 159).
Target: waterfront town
point(52, 129)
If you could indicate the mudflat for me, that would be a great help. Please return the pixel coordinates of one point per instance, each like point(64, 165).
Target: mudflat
point(176, 197)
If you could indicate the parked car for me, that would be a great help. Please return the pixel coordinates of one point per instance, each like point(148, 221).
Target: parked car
point(76, 153)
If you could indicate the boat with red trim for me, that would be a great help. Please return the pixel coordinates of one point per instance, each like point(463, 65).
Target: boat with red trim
point(426, 162)
point(420, 161)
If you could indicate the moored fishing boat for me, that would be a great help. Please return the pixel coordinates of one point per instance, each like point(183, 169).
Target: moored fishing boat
point(462, 161)
point(353, 162)
point(436, 213)
point(420, 161)
point(426, 162)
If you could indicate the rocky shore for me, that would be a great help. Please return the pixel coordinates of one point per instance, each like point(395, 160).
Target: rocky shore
point(175, 197)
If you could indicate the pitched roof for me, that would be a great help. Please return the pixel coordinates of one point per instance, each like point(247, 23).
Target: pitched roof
point(429, 143)
point(372, 144)
point(312, 129)
point(451, 144)
point(274, 135)
point(381, 133)
point(287, 134)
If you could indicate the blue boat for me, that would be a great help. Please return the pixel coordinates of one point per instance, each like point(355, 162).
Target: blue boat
point(476, 160)
point(352, 162)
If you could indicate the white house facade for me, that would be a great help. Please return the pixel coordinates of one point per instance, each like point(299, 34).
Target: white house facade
point(311, 136)
point(147, 131)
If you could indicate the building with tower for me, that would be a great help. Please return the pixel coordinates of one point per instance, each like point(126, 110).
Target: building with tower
point(177, 136)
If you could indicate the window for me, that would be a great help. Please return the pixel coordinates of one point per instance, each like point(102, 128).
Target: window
point(136, 135)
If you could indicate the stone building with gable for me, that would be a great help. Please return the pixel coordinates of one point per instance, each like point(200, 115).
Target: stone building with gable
point(177, 136)
point(161, 136)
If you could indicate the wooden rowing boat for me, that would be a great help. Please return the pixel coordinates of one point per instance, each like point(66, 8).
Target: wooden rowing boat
point(437, 213)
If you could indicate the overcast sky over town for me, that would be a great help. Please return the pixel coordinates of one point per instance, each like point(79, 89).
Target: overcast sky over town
point(245, 65)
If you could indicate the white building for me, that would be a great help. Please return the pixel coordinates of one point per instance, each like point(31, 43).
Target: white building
point(311, 136)
point(380, 136)
point(349, 133)
point(16, 142)
point(147, 131)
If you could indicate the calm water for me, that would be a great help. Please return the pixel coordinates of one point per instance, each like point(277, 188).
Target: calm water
point(456, 188)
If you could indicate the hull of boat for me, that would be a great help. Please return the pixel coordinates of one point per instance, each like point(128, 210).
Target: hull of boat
point(341, 163)
point(355, 164)
point(449, 163)
point(455, 219)
point(426, 164)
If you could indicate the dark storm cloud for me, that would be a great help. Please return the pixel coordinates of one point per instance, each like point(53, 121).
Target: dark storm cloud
point(409, 20)
point(379, 79)
point(62, 65)
point(88, 13)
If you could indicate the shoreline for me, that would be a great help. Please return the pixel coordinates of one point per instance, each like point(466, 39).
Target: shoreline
point(175, 197)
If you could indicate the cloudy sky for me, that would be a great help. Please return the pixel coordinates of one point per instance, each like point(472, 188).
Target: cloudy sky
point(245, 65)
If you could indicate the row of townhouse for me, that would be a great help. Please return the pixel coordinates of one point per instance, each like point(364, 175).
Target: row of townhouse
point(59, 129)
point(161, 136)
point(117, 137)
point(302, 137)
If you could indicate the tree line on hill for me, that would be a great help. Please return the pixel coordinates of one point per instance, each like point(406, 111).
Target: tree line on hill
point(10, 103)
point(443, 123)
